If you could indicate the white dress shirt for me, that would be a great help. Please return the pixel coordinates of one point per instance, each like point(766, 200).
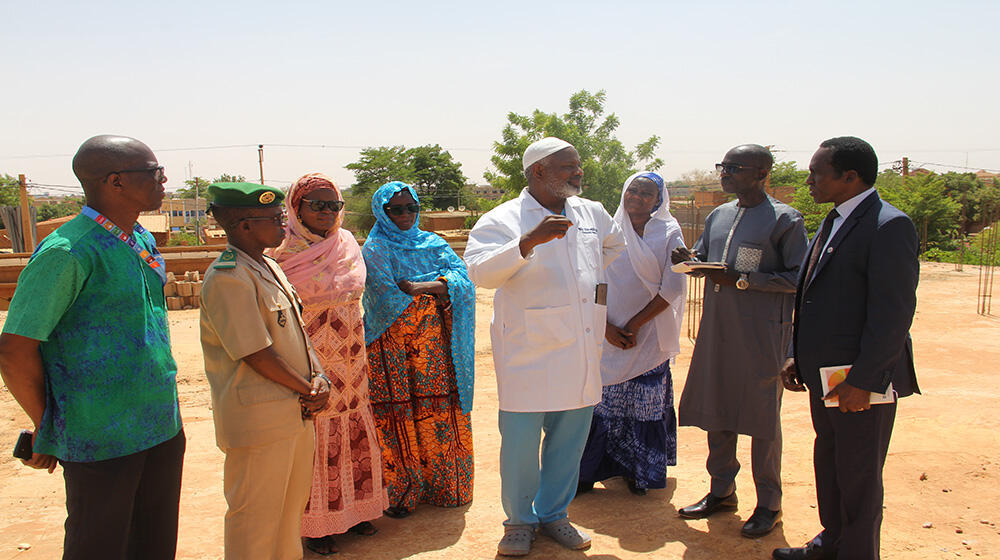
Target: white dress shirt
point(547, 330)
point(844, 209)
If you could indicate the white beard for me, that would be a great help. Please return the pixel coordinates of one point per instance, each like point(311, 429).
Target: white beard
point(565, 190)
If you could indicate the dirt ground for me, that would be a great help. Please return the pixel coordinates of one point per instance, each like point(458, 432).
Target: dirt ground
point(943, 467)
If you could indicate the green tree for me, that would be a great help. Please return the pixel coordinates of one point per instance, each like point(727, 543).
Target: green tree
point(194, 184)
point(606, 161)
point(430, 169)
point(976, 198)
point(812, 213)
point(227, 178)
point(59, 209)
point(437, 176)
point(377, 166)
point(9, 191)
point(923, 198)
point(785, 173)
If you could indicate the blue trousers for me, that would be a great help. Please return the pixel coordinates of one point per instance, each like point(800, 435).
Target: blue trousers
point(533, 493)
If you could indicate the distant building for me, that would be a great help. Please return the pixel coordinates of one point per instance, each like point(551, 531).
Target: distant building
point(782, 193)
point(488, 192)
point(184, 212)
point(988, 178)
point(156, 224)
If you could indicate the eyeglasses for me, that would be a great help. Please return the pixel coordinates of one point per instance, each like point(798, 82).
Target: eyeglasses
point(156, 171)
point(320, 205)
point(732, 167)
point(399, 210)
point(278, 220)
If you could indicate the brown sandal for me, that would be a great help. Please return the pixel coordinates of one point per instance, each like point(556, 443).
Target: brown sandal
point(324, 546)
point(365, 529)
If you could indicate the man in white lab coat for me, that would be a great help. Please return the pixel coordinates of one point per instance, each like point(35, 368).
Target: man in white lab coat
point(545, 253)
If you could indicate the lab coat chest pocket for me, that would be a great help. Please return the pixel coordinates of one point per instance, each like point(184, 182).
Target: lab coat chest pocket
point(590, 250)
point(550, 327)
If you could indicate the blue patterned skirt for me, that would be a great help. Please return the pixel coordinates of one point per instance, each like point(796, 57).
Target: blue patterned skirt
point(634, 431)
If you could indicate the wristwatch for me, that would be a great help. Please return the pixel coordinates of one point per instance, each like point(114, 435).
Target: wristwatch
point(744, 281)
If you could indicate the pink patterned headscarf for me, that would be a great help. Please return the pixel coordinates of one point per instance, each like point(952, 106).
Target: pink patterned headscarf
point(322, 268)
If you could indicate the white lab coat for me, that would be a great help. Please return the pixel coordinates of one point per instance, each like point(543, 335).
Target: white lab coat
point(547, 330)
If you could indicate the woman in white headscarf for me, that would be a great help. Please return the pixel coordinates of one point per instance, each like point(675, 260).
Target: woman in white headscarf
point(634, 430)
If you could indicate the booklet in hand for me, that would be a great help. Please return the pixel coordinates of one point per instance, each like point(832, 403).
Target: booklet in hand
point(832, 376)
point(697, 266)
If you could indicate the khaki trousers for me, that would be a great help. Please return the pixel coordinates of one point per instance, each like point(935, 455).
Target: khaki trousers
point(267, 487)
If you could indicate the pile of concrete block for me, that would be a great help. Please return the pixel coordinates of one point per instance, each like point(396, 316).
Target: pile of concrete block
point(183, 293)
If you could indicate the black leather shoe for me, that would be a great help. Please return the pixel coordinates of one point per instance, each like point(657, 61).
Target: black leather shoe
point(761, 522)
point(811, 551)
point(584, 487)
point(708, 505)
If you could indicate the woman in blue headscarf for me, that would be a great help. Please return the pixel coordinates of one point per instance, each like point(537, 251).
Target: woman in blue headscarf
point(419, 328)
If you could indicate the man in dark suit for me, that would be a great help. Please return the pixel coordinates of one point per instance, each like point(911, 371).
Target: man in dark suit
point(854, 304)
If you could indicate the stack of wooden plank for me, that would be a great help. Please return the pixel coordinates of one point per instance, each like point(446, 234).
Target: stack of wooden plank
point(183, 292)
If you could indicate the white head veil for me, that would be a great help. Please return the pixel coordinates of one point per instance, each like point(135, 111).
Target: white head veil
point(647, 267)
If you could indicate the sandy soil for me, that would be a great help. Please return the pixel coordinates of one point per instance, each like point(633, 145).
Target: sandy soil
point(943, 466)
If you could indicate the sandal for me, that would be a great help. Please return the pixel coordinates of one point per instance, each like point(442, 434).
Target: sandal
point(365, 529)
point(396, 512)
point(324, 546)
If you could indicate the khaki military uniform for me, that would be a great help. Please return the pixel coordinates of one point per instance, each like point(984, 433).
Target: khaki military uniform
point(247, 307)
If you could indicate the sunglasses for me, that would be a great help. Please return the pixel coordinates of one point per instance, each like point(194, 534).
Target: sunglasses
point(156, 171)
point(278, 220)
point(732, 167)
point(320, 205)
point(399, 210)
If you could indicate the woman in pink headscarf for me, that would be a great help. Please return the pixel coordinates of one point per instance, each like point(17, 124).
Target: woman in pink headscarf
point(324, 264)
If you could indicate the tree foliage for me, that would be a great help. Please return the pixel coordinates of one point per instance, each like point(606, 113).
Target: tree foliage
point(430, 169)
point(924, 199)
point(228, 178)
point(812, 213)
point(9, 191)
point(606, 161)
point(203, 184)
point(785, 173)
point(195, 186)
point(67, 207)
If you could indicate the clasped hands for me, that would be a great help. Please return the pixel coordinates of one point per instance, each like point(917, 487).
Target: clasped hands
point(317, 398)
point(849, 397)
point(622, 337)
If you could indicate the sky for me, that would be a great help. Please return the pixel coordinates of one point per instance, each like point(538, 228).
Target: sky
point(317, 81)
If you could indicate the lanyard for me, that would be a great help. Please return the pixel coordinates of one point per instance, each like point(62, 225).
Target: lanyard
point(153, 259)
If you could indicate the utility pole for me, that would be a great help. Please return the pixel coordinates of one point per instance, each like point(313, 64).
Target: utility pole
point(260, 158)
point(26, 233)
point(906, 167)
point(197, 215)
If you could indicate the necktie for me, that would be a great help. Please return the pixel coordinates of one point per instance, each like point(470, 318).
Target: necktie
point(817, 250)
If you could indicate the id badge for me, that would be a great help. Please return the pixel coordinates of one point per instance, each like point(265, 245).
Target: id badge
point(601, 295)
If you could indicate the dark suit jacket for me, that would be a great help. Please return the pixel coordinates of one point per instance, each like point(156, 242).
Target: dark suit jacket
point(859, 305)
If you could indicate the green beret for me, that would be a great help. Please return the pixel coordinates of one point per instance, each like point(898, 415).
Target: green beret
point(244, 195)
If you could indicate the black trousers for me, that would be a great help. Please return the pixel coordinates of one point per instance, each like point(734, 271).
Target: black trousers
point(848, 457)
point(125, 508)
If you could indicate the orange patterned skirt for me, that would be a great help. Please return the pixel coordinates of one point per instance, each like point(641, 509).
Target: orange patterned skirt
point(426, 439)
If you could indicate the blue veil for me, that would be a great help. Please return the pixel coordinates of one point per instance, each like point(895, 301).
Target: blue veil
point(392, 255)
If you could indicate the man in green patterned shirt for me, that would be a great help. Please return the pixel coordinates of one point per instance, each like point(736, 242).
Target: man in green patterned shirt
point(85, 351)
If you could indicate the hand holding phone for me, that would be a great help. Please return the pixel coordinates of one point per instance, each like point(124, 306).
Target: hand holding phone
point(24, 451)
